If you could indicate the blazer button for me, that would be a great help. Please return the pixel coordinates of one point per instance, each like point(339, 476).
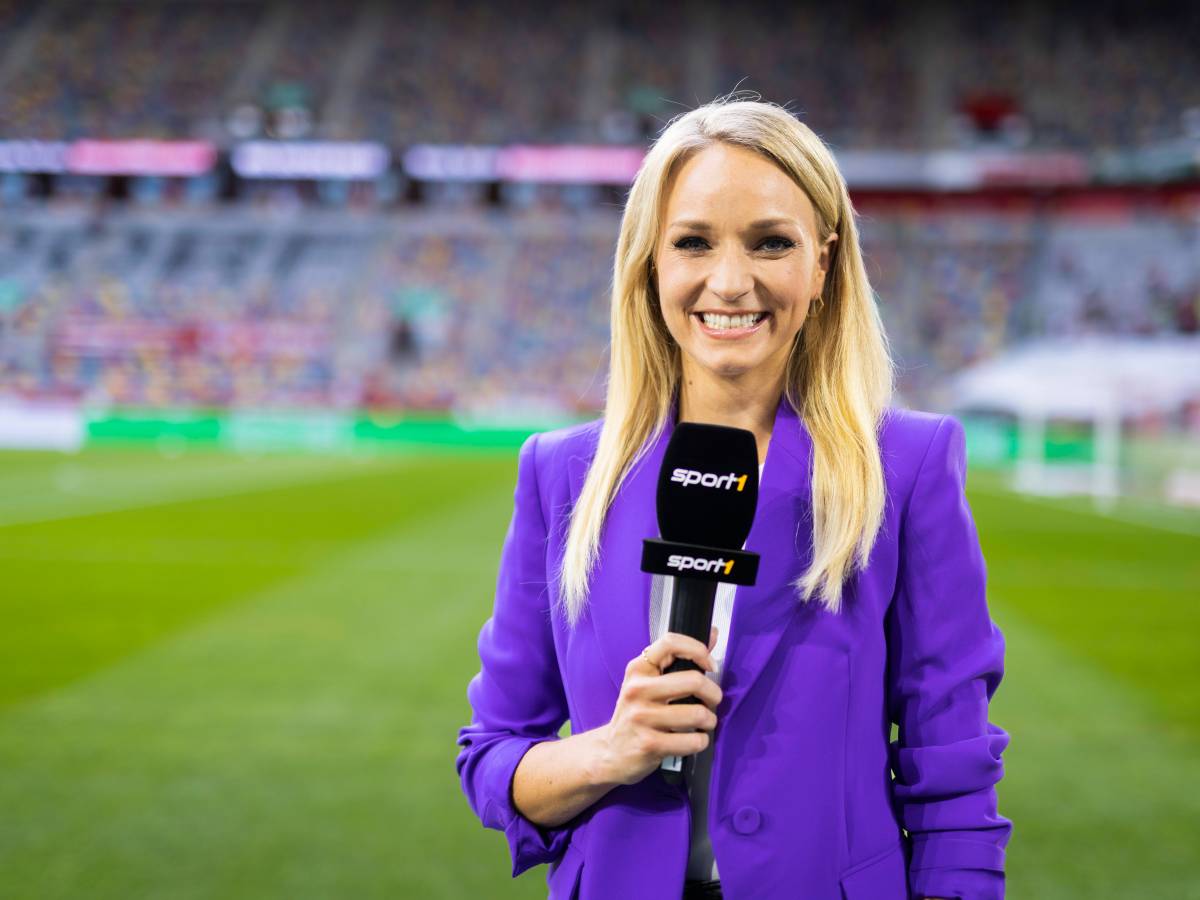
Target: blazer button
point(746, 820)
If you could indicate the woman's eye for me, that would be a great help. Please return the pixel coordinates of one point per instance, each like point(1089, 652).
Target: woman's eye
point(784, 243)
point(773, 244)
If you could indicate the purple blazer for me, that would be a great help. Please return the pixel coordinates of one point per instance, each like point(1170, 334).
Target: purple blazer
point(802, 801)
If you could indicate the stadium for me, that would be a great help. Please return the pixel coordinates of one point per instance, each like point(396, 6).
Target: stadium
point(284, 286)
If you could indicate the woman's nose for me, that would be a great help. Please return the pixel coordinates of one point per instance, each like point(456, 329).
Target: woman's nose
point(730, 277)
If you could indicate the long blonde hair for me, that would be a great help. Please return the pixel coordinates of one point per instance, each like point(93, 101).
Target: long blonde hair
point(839, 376)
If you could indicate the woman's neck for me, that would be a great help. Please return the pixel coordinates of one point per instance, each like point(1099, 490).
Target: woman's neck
point(738, 406)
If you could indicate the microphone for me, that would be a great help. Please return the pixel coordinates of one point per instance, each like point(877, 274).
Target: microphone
point(707, 497)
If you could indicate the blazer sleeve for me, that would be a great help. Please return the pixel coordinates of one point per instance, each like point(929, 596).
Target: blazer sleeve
point(517, 697)
point(945, 660)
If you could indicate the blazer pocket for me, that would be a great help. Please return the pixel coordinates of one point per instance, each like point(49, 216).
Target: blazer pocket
point(882, 877)
point(563, 879)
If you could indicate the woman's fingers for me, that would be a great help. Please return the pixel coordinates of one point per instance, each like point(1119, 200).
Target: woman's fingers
point(681, 743)
point(646, 725)
point(679, 717)
point(672, 646)
point(675, 685)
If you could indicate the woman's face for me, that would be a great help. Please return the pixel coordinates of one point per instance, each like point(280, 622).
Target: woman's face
point(737, 263)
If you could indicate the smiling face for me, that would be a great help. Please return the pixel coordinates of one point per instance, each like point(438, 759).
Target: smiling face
point(737, 263)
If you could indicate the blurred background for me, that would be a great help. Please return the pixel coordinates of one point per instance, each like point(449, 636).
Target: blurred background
point(284, 285)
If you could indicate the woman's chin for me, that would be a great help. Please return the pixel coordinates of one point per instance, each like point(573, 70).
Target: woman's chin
point(731, 366)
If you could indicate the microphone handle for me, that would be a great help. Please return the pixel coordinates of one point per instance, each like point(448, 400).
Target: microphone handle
point(691, 614)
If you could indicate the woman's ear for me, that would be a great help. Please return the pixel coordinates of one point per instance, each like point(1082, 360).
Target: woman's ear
point(824, 258)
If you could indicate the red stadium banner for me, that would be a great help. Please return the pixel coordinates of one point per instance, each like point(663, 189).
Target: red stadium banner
point(570, 164)
point(169, 158)
point(88, 336)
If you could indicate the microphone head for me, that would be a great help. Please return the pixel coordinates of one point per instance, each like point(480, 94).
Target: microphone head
point(708, 485)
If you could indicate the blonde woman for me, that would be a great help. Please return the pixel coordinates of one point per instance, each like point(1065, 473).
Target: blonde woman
point(740, 298)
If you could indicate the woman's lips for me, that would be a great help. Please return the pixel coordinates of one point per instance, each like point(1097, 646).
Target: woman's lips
point(730, 334)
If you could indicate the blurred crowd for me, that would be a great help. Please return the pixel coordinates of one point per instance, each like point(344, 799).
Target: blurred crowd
point(92, 70)
point(495, 310)
point(863, 75)
point(420, 312)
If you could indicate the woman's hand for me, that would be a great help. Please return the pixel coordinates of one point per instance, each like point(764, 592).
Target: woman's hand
point(645, 727)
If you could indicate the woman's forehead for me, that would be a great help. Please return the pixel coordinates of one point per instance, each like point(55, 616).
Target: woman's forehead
point(724, 184)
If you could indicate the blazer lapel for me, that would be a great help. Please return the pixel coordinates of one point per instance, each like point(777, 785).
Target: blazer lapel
point(619, 602)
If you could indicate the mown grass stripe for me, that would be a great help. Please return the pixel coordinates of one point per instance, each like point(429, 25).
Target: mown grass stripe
point(297, 738)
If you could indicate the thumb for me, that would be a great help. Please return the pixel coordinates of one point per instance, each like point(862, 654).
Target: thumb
point(712, 640)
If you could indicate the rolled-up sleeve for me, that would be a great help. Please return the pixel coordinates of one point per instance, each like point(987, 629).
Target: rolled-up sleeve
point(945, 660)
point(517, 698)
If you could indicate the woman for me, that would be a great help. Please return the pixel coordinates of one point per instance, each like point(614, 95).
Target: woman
point(740, 298)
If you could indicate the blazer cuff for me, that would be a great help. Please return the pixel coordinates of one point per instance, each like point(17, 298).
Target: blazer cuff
point(955, 868)
point(529, 844)
point(956, 884)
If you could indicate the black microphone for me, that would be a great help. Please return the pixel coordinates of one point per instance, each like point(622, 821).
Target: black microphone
point(707, 497)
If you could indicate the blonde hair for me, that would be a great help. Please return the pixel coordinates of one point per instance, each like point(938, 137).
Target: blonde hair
point(839, 376)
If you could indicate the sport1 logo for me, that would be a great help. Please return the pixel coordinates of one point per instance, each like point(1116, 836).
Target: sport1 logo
point(689, 477)
point(698, 563)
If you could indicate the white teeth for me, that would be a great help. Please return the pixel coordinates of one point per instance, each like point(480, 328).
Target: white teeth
point(716, 320)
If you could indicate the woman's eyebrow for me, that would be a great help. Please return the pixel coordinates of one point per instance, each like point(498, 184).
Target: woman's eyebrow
point(700, 225)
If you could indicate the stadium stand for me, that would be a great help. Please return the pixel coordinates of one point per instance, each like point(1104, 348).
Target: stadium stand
point(442, 309)
point(181, 292)
point(124, 69)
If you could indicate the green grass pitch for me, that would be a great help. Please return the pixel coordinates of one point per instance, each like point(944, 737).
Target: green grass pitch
point(232, 677)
